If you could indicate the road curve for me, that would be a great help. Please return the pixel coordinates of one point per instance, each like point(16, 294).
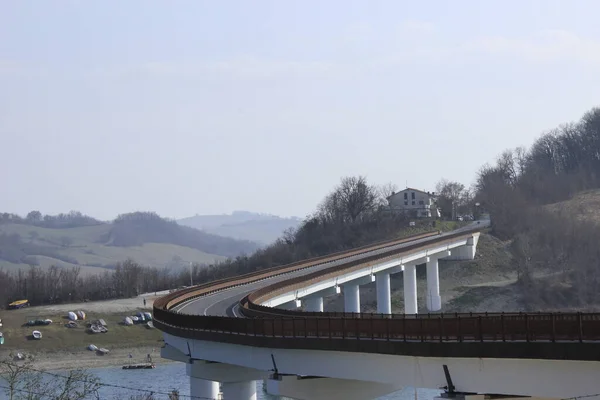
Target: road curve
point(225, 303)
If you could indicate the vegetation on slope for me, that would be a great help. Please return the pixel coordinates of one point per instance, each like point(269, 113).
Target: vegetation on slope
point(72, 239)
point(560, 239)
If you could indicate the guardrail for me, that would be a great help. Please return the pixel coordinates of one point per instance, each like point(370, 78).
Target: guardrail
point(501, 327)
point(173, 299)
point(288, 285)
point(441, 335)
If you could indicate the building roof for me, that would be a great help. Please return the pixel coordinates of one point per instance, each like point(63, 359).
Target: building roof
point(412, 190)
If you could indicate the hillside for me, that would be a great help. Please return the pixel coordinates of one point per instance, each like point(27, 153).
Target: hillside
point(583, 206)
point(143, 237)
point(243, 225)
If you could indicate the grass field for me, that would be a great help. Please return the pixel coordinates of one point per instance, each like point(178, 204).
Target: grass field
point(84, 245)
point(57, 337)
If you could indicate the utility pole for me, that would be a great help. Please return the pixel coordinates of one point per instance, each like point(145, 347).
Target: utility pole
point(191, 275)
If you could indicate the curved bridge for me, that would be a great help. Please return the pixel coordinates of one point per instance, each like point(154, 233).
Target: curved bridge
point(247, 328)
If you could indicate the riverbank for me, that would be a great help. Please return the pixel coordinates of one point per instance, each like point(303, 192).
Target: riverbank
point(68, 360)
point(66, 348)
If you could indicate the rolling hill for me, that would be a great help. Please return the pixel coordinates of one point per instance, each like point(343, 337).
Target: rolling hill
point(243, 225)
point(143, 237)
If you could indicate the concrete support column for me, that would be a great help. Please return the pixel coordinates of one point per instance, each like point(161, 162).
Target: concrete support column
point(434, 301)
point(203, 389)
point(313, 304)
point(384, 300)
point(351, 298)
point(410, 289)
point(239, 390)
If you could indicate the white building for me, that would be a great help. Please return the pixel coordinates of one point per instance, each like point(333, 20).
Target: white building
point(414, 202)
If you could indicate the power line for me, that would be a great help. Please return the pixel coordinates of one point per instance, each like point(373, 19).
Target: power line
point(25, 391)
point(102, 384)
point(582, 397)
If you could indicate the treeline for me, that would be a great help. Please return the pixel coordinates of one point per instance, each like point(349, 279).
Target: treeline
point(515, 189)
point(56, 285)
point(353, 214)
point(72, 219)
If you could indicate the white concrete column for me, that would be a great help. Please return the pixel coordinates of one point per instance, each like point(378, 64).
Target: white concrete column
point(351, 298)
point(410, 289)
point(384, 300)
point(203, 389)
point(239, 390)
point(313, 304)
point(434, 301)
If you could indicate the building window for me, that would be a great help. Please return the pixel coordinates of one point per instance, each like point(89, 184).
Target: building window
point(421, 202)
point(405, 196)
point(413, 195)
point(413, 202)
point(405, 202)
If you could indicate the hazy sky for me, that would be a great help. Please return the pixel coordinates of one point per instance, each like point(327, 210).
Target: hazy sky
point(185, 107)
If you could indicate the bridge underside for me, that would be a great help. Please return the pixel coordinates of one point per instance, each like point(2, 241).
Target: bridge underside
point(381, 373)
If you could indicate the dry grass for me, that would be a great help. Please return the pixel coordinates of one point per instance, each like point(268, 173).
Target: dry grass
point(584, 206)
point(57, 337)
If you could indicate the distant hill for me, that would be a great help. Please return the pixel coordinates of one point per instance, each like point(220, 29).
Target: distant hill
point(73, 239)
point(243, 225)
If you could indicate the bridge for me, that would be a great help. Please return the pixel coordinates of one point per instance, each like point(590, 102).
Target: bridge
point(271, 325)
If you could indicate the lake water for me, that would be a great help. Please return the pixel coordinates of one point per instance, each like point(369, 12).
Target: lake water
point(166, 377)
point(120, 384)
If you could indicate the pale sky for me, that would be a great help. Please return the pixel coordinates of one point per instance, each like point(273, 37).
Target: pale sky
point(185, 107)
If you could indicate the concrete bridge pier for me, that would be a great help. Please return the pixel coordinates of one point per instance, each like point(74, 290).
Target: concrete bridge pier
point(237, 383)
point(352, 298)
point(433, 299)
point(352, 293)
point(203, 389)
point(313, 304)
point(410, 289)
point(239, 390)
point(384, 300)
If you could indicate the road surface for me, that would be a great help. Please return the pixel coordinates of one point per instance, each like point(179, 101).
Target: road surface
point(225, 303)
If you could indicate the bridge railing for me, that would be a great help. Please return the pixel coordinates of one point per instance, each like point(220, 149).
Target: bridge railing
point(173, 299)
point(288, 285)
point(480, 328)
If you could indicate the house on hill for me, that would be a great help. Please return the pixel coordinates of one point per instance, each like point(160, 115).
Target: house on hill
point(414, 202)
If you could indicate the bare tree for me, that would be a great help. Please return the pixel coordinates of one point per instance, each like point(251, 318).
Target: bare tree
point(352, 199)
point(24, 382)
point(386, 190)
